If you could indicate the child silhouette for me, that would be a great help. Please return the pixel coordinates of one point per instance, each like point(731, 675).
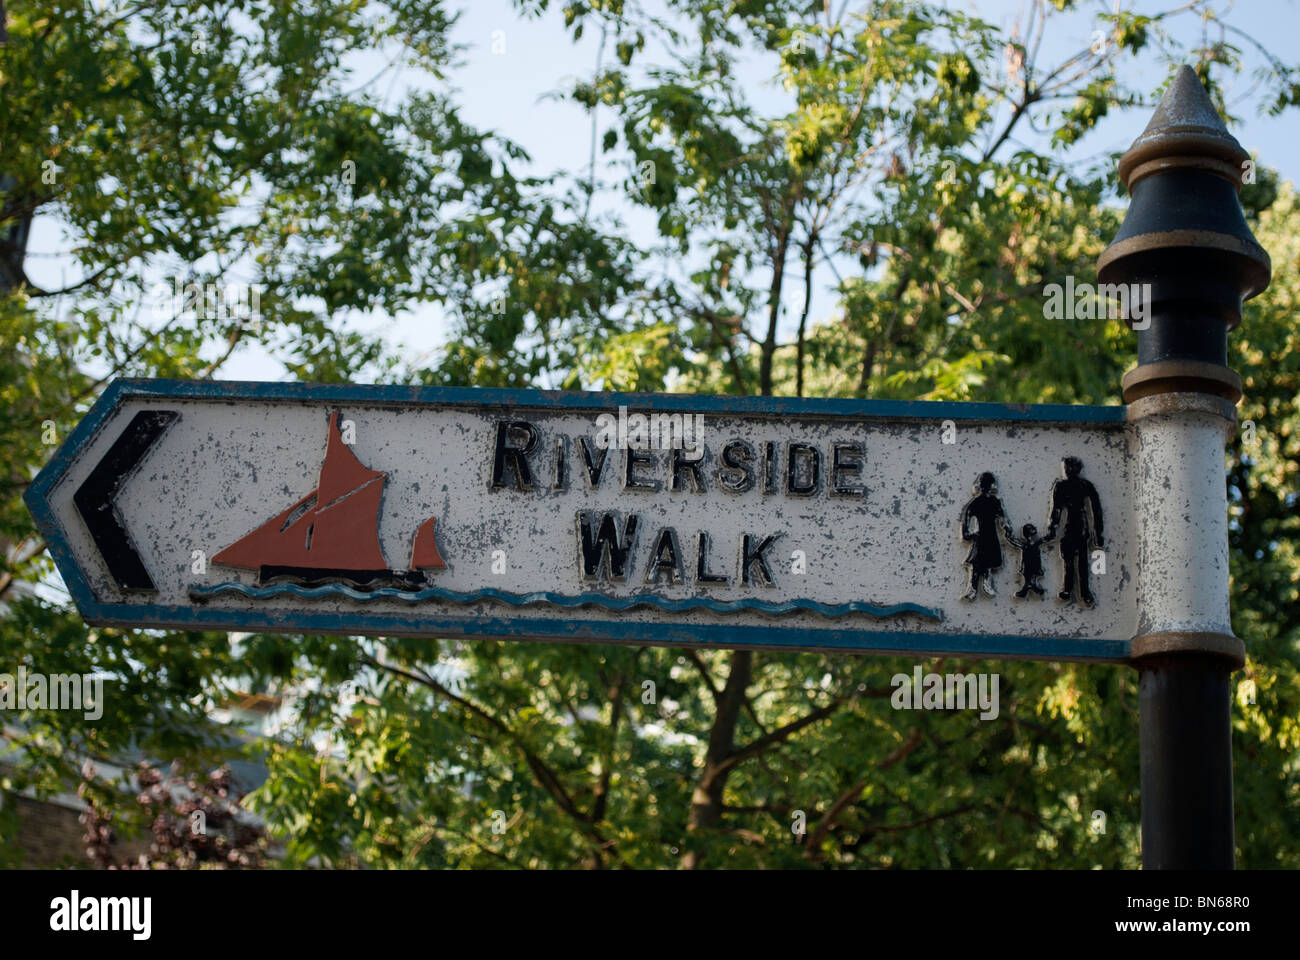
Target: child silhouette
point(1029, 543)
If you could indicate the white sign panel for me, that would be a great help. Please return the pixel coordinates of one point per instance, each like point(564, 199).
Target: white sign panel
point(874, 526)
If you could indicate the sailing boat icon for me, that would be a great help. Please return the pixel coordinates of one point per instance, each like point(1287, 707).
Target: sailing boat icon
point(332, 534)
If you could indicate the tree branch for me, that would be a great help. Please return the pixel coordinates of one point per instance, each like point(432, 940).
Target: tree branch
point(546, 777)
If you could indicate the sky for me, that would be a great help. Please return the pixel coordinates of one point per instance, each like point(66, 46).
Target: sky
point(506, 90)
point(511, 69)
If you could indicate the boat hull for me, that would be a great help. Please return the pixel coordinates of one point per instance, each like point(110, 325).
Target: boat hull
point(361, 579)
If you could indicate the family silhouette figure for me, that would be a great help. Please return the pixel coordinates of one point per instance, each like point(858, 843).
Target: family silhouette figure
point(1076, 516)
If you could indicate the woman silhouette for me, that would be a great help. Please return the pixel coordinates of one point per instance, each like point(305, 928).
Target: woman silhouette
point(986, 549)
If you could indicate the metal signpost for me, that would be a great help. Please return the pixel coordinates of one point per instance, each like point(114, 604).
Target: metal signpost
point(1185, 238)
point(1025, 532)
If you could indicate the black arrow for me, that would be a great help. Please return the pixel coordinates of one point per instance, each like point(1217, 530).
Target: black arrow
point(94, 498)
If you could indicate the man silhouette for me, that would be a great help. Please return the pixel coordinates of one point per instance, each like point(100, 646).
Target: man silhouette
point(1075, 496)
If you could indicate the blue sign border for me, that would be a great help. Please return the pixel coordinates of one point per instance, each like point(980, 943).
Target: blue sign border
point(775, 637)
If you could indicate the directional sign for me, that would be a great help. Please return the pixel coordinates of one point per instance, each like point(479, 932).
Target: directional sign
point(981, 529)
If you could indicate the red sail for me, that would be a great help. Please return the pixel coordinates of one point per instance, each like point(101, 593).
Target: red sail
point(342, 472)
point(336, 526)
point(279, 541)
point(345, 534)
point(424, 548)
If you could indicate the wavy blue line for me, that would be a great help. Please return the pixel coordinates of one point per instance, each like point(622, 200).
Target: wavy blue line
point(560, 600)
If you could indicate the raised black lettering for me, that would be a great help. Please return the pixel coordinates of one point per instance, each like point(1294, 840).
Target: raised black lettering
point(603, 551)
point(682, 466)
point(561, 479)
point(702, 574)
point(633, 459)
point(737, 474)
point(846, 461)
point(752, 557)
point(595, 465)
point(666, 557)
point(514, 455)
point(806, 453)
point(769, 467)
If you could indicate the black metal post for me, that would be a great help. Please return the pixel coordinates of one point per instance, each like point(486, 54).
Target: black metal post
point(1185, 239)
point(1186, 763)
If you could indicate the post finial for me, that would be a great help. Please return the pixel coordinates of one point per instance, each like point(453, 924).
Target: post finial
point(1185, 249)
point(1185, 131)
